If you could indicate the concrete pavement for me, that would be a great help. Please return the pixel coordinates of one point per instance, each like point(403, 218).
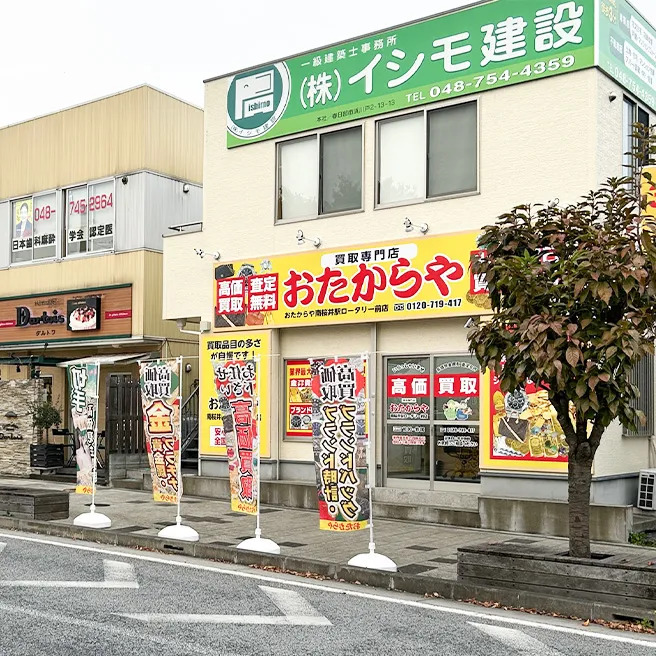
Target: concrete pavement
point(177, 605)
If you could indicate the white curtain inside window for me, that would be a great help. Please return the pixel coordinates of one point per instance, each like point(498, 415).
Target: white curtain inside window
point(452, 150)
point(341, 171)
point(402, 149)
point(298, 178)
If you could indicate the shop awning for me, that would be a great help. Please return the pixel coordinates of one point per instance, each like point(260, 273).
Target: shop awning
point(108, 359)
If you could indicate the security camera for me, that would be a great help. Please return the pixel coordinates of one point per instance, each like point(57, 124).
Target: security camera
point(180, 323)
point(124, 179)
point(612, 96)
point(185, 188)
point(554, 203)
point(200, 252)
point(470, 323)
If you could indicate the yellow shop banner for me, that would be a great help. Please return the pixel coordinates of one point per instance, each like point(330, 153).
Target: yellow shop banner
point(216, 350)
point(404, 279)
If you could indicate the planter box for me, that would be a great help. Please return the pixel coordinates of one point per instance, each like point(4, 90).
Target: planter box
point(32, 503)
point(46, 456)
point(620, 577)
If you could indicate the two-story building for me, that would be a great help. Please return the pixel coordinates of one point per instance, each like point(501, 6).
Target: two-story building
point(85, 197)
point(344, 191)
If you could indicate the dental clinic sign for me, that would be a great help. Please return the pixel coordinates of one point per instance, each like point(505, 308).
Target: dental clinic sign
point(468, 51)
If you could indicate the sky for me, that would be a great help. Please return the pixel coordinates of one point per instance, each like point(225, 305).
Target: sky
point(59, 53)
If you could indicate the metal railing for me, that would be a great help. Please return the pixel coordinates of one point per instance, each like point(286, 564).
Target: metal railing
point(189, 420)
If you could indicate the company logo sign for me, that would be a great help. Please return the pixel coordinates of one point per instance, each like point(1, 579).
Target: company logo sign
point(257, 100)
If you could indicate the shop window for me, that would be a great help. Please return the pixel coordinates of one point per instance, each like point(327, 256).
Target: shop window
point(298, 400)
point(321, 174)
point(632, 114)
point(90, 218)
point(432, 417)
point(34, 229)
point(428, 154)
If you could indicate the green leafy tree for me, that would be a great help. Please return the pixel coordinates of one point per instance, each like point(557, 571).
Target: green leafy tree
point(44, 417)
point(573, 296)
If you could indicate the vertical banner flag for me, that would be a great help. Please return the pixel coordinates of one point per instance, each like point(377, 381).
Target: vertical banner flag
point(160, 400)
point(83, 399)
point(237, 391)
point(339, 430)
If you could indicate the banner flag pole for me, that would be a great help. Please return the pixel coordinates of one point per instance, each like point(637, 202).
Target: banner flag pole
point(371, 560)
point(258, 543)
point(92, 519)
point(179, 531)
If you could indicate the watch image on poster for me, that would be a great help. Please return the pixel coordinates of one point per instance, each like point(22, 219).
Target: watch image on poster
point(524, 425)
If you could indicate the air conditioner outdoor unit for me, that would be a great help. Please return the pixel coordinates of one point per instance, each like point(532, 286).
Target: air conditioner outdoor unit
point(647, 490)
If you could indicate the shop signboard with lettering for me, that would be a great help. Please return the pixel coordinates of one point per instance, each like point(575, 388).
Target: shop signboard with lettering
point(405, 279)
point(466, 51)
point(96, 313)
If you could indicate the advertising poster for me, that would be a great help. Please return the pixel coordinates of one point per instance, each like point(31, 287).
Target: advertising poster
point(475, 49)
point(408, 450)
point(339, 429)
point(456, 388)
point(522, 430)
point(226, 347)
point(408, 389)
point(627, 48)
point(160, 399)
point(404, 279)
point(236, 386)
point(83, 401)
point(457, 452)
point(23, 225)
point(298, 412)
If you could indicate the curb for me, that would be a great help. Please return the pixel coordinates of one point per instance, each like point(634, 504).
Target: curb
point(410, 583)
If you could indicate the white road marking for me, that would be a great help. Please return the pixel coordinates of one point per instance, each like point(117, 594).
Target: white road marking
point(296, 612)
point(591, 632)
point(104, 628)
point(117, 575)
point(518, 640)
point(2, 546)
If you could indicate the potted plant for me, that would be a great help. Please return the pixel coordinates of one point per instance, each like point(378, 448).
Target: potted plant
point(43, 455)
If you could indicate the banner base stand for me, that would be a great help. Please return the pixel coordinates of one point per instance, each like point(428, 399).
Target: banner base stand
point(372, 560)
point(92, 519)
point(179, 531)
point(259, 544)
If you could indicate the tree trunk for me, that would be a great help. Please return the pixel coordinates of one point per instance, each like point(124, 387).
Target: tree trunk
point(580, 480)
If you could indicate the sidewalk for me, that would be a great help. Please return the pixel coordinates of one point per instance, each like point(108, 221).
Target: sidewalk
point(426, 554)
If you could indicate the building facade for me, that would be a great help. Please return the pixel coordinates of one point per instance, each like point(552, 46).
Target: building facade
point(85, 197)
point(344, 191)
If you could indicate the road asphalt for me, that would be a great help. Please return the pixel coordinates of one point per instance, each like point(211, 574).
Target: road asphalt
point(68, 598)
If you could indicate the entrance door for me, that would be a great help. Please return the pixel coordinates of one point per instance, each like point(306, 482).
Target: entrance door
point(123, 415)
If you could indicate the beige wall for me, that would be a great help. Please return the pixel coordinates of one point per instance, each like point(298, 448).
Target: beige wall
point(134, 130)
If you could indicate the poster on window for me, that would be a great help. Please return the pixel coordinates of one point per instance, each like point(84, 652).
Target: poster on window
point(83, 401)
point(160, 399)
point(23, 225)
point(298, 412)
point(457, 452)
point(408, 450)
point(339, 430)
point(524, 426)
point(236, 386)
point(408, 393)
point(456, 388)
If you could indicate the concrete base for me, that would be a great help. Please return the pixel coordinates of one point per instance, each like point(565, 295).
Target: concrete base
point(123, 465)
point(179, 532)
point(373, 560)
point(92, 520)
point(259, 544)
point(607, 523)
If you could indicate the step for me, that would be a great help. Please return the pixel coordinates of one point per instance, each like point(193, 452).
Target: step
point(128, 484)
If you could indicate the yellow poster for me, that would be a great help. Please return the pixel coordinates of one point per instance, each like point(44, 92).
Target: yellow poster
point(298, 410)
point(215, 349)
point(404, 279)
point(520, 430)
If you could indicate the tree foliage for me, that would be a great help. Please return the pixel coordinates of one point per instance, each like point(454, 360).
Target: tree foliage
point(573, 298)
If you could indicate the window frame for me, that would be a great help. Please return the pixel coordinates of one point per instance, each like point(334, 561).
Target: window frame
point(57, 231)
point(317, 135)
point(64, 227)
point(425, 111)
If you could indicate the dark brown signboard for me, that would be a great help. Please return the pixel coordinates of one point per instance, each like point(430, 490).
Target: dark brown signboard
point(64, 316)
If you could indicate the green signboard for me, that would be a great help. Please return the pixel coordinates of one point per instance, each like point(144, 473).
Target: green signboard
point(626, 47)
point(468, 51)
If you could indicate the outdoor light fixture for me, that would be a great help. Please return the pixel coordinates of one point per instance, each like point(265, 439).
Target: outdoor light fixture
point(301, 239)
point(410, 226)
point(201, 253)
point(11, 415)
point(554, 203)
point(470, 323)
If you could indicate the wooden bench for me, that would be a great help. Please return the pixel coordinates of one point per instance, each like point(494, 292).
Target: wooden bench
point(33, 503)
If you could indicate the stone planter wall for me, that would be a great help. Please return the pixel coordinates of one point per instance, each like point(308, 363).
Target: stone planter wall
point(17, 434)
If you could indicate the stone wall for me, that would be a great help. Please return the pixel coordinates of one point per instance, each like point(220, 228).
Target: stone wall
point(17, 434)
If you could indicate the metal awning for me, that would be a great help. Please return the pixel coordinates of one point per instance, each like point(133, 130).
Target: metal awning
point(108, 359)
